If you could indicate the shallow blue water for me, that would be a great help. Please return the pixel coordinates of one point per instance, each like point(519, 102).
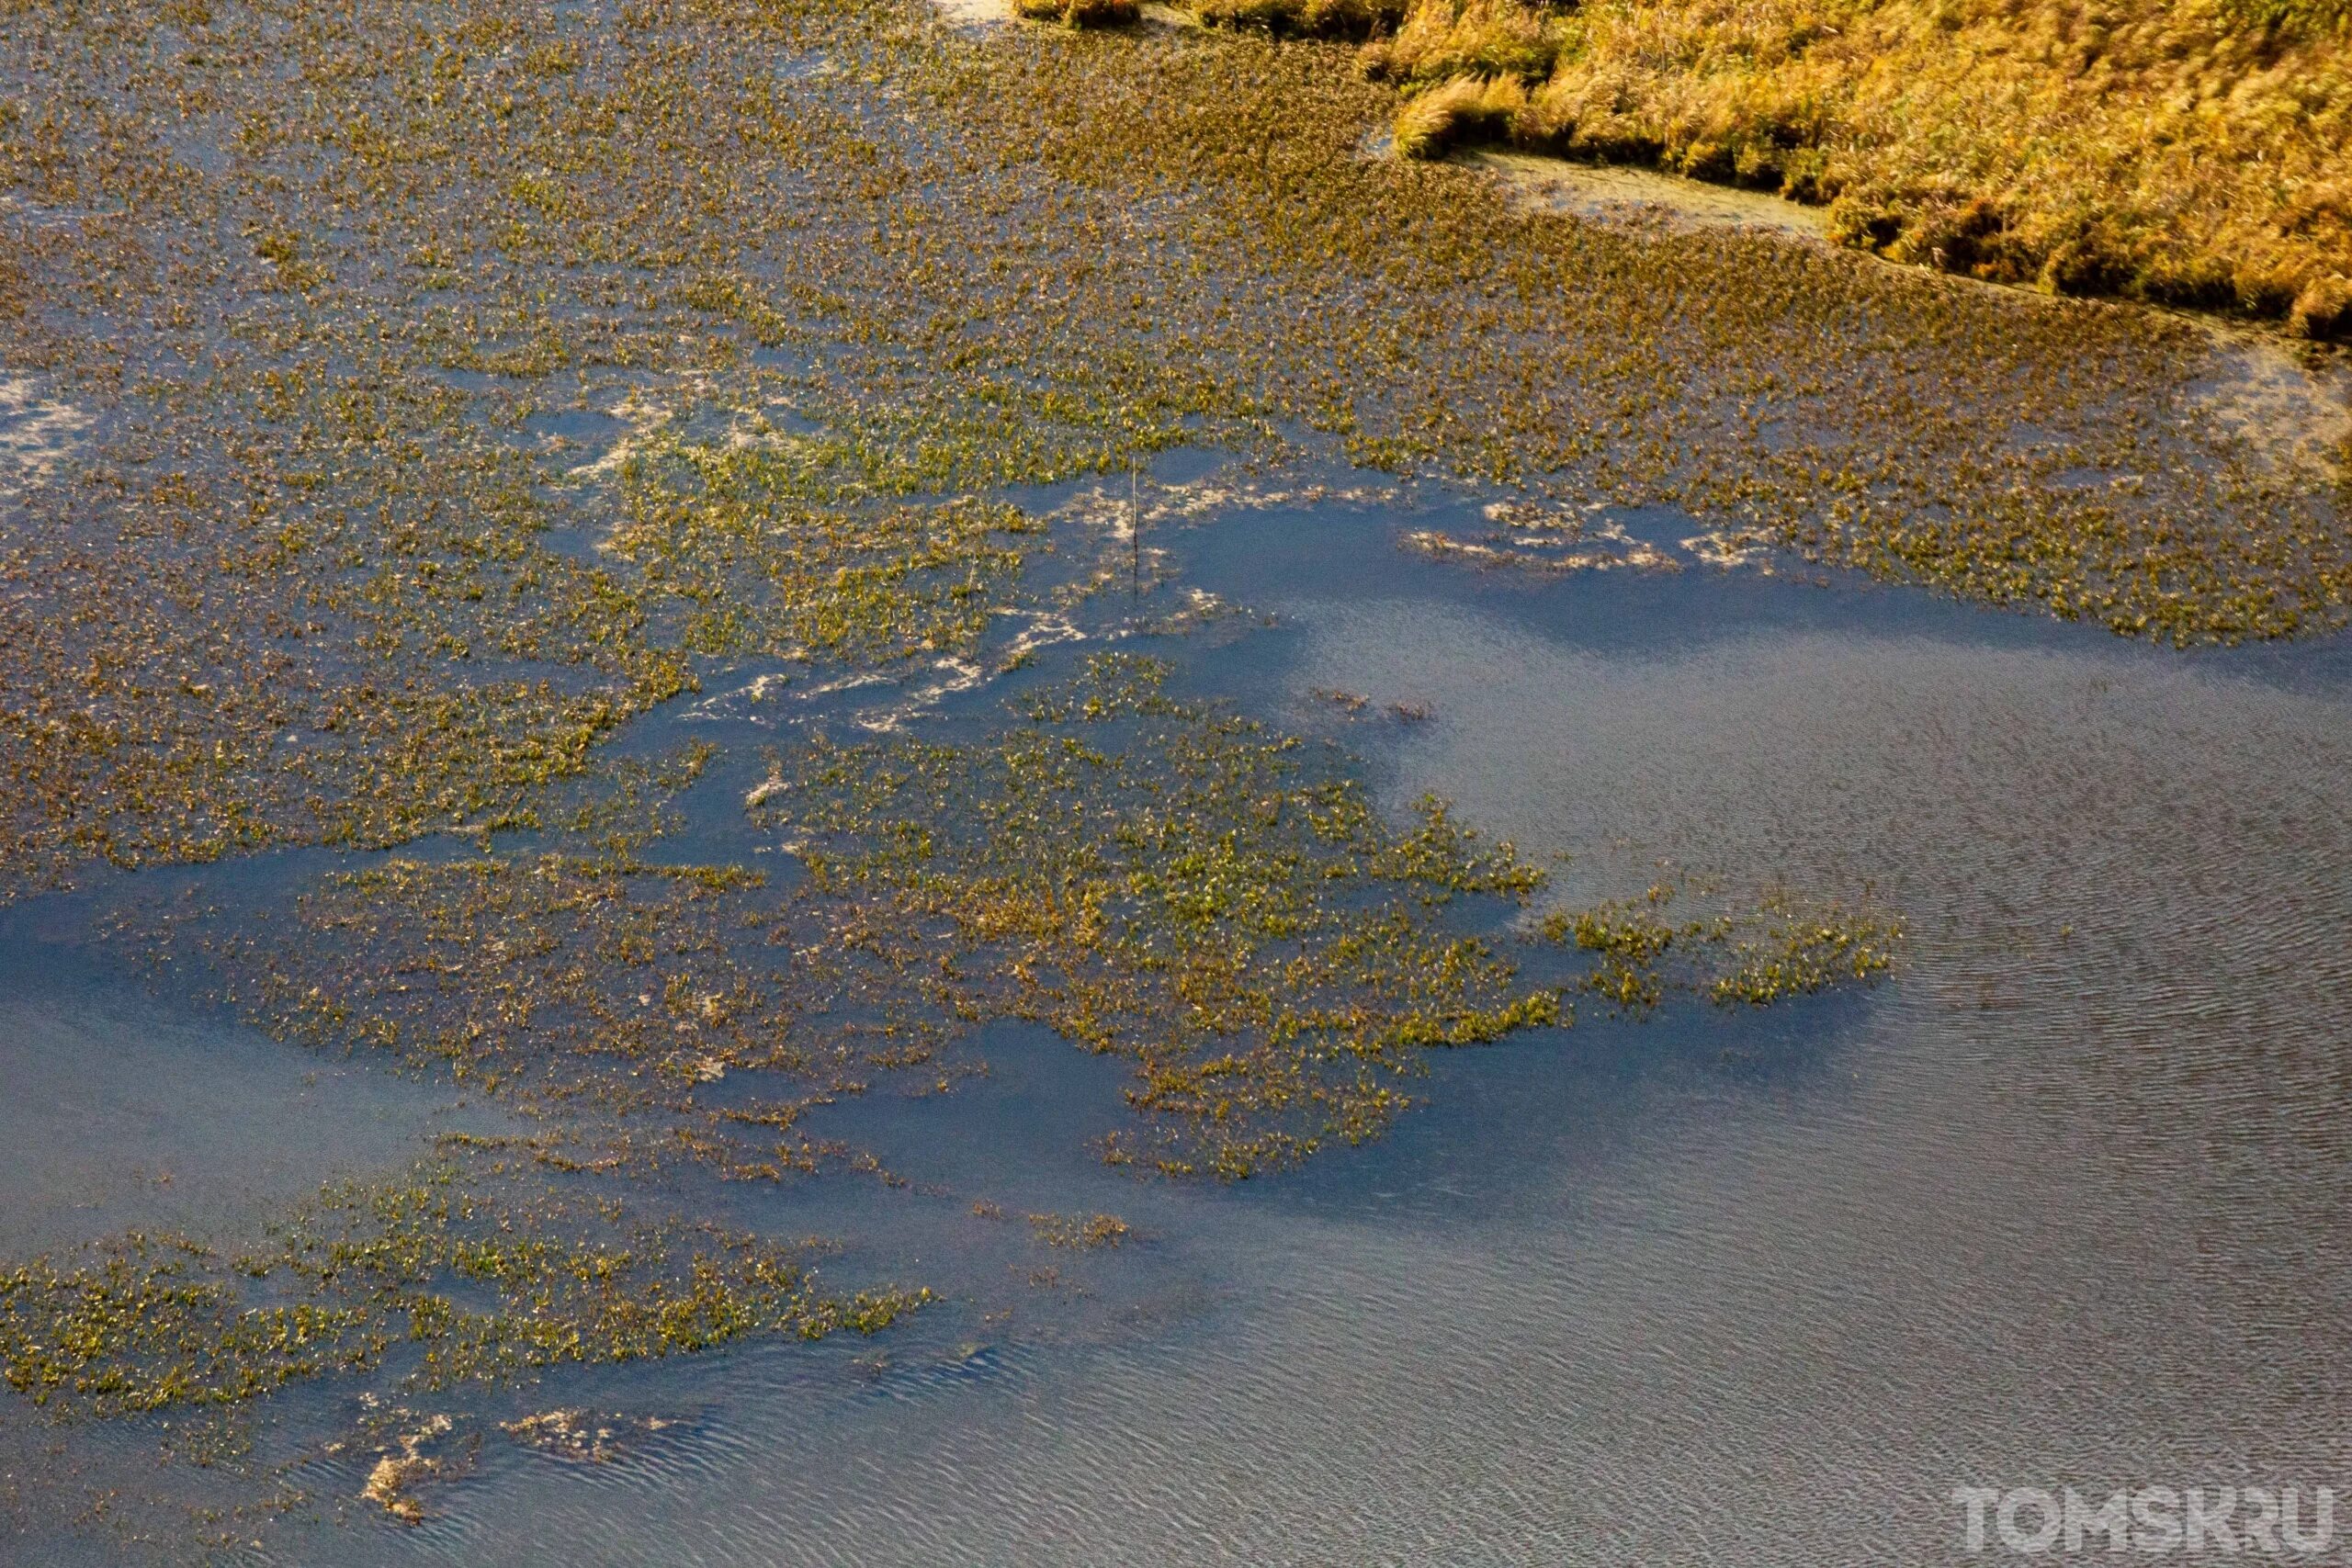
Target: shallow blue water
point(2061, 1203)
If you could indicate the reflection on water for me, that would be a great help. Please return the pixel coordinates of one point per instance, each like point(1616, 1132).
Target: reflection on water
point(2060, 1206)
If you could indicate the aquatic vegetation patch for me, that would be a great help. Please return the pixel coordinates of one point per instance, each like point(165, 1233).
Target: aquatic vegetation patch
point(1155, 878)
point(1165, 880)
point(1171, 882)
point(451, 1274)
point(1084, 1232)
point(588, 987)
point(718, 531)
point(192, 672)
point(654, 1014)
point(1644, 950)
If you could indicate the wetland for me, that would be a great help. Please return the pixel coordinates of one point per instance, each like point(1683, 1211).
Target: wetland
point(869, 783)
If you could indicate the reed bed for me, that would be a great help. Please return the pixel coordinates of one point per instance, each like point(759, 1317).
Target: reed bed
point(2196, 154)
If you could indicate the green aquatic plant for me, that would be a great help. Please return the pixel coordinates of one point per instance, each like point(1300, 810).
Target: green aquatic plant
point(1154, 878)
point(721, 532)
point(373, 530)
point(1781, 946)
point(1170, 882)
point(1793, 949)
point(1163, 880)
point(449, 1274)
point(1085, 1233)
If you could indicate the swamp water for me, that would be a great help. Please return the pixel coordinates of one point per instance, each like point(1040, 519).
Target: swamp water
point(574, 627)
point(2059, 1201)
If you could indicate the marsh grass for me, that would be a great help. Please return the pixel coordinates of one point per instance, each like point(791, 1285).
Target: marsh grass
point(1305, 18)
point(1080, 13)
point(2192, 153)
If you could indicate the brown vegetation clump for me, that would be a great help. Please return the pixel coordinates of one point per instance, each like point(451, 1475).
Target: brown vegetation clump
point(1080, 13)
point(1305, 18)
point(2192, 153)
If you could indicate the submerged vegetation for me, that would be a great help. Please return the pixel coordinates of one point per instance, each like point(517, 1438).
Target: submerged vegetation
point(1162, 880)
point(1170, 882)
point(417, 431)
point(1155, 878)
point(436, 392)
point(1068, 1230)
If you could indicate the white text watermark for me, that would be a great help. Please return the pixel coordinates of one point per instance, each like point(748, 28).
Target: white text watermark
point(2282, 1521)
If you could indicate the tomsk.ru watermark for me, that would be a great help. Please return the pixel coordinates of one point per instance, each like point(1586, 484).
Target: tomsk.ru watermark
point(2285, 1522)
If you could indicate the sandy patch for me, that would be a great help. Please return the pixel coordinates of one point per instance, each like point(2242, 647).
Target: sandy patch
point(2291, 416)
point(975, 13)
point(36, 434)
point(1617, 194)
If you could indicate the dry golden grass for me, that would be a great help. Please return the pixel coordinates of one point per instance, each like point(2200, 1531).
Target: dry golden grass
point(1080, 13)
point(2193, 153)
point(1313, 18)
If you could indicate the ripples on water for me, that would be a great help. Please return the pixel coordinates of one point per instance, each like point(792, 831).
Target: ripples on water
point(2062, 1204)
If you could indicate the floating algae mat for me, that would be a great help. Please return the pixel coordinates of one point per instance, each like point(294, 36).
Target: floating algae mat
point(803, 783)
